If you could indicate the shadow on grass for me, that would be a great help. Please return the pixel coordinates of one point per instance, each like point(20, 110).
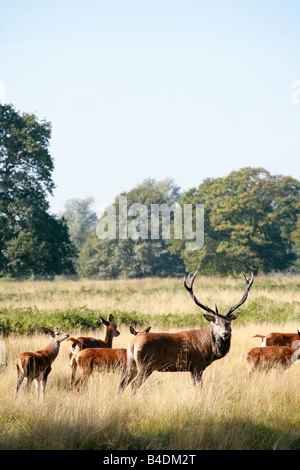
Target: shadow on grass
point(211, 434)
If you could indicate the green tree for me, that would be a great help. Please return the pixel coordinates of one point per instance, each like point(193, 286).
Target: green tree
point(80, 219)
point(32, 241)
point(167, 187)
point(129, 258)
point(295, 237)
point(248, 220)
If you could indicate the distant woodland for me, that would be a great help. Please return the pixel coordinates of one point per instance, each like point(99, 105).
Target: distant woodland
point(251, 219)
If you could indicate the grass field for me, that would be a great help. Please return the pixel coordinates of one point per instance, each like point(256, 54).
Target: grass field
point(231, 411)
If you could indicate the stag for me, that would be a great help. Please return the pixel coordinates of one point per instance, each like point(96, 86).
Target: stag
point(192, 350)
point(83, 342)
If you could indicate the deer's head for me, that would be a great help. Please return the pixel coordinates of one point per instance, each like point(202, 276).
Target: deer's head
point(110, 326)
point(57, 335)
point(221, 323)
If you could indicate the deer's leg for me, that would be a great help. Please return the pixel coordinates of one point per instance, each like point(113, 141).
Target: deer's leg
point(142, 375)
point(73, 366)
point(128, 376)
point(86, 372)
point(37, 386)
point(122, 371)
point(29, 383)
point(139, 380)
point(197, 377)
point(43, 380)
point(43, 383)
point(83, 379)
point(20, 378)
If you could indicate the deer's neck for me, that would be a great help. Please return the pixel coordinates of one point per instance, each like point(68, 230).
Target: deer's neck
point(108, 338)
point(52, 350)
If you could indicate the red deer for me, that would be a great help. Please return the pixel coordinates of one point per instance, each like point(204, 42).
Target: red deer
point(279, 339)
point(266, 358)
point(104, 360)
point(37, 365)
point(192, 350)
point(83, 342)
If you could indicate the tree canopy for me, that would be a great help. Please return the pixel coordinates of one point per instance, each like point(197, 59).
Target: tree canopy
point(249, 218)
point(80, 219)
point(33, 241)
point(113, 258)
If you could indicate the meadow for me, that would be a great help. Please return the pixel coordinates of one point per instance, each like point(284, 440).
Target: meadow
point(230, 412)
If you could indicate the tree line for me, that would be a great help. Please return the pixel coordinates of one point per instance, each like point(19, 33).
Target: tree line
point(251, 219)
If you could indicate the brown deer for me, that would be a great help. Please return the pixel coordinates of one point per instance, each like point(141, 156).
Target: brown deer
point(83, 342)
point(37, 365)
point(266, 358)
point(104, 360)
point(192, 350)
point(279, 339)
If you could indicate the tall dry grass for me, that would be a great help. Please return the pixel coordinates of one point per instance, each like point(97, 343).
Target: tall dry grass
point(151, 295)
point(231, 411)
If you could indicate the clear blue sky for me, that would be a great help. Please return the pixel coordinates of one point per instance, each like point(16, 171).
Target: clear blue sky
point(136, 89)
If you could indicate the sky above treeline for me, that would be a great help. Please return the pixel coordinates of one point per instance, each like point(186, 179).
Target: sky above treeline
point(163, 89)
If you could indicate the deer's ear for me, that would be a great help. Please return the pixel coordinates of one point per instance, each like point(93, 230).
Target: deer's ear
point(209, 317)
point(233, 316)
point(132, 330)
point(48, 332)
point(104, 321)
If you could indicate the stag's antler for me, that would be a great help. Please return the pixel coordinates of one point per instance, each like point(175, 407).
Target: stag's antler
point(189, 287)
point(248, 284)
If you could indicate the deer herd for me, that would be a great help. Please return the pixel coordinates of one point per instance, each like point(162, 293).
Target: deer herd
point(185, 351)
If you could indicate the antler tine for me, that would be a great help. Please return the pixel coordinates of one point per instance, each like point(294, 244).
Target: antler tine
point(190, 279)
point(189, 288)
point(248, 281)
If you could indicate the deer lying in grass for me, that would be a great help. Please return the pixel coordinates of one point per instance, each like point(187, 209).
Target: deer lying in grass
point(83, 342)
point(37, 365)
point(192, 350)
point(279, 339)
point(270, 357)
point(104, 360)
